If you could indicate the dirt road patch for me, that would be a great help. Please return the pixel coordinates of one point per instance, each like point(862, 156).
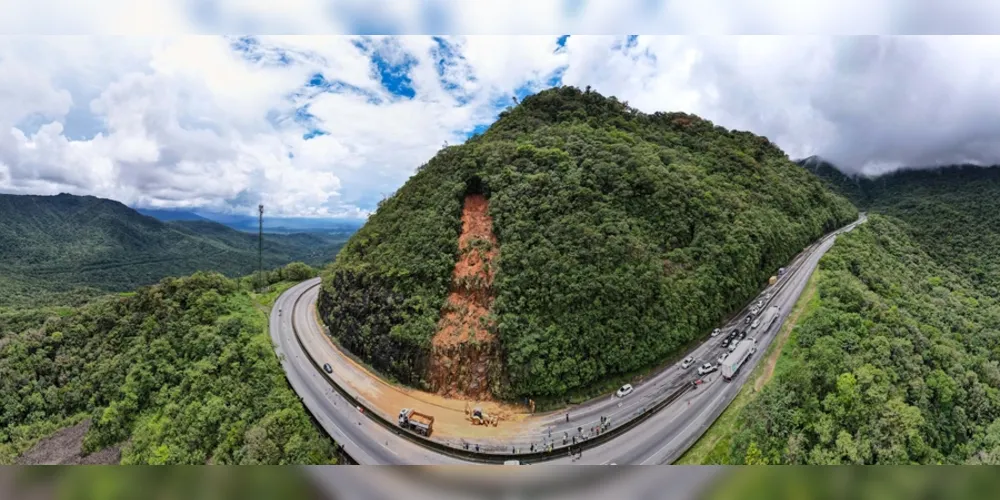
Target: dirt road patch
point(64, 447)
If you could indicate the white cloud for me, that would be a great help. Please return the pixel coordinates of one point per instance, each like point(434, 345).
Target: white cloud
point(213, 121)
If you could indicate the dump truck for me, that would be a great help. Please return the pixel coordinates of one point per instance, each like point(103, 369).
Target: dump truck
point(772, 280)
point(415, 421)
point(731, 365)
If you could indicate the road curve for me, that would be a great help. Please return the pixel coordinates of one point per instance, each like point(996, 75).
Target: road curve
point(662, 438)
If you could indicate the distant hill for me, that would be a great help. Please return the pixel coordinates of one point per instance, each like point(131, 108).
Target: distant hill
point(847, 185)
point(953, 212)
point(169, 215)
point(249, 223)
point(64, 244)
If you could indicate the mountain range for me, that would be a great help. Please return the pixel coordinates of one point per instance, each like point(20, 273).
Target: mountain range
point(67, 244)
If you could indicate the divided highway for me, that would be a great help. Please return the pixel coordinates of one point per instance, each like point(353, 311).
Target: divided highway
point(660, 439)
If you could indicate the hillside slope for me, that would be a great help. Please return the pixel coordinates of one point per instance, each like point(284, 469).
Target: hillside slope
point(897, 364)
point(621, 237)
point(181, 372)
point(58, 244)
point(952, 212)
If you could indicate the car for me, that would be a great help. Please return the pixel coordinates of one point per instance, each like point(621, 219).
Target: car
point(624, 391)
point(716, 332)
point(732, 347)
point(688, 361)
point(724, 343)
point(755, 323)
point(742, 335)
point(746, 321)
point(722, 359)
point(706, 368)
point(327, 368)
point(512, 462)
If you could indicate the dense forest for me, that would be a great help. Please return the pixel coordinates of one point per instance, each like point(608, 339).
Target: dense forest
point(622, 237)
point(181, 372)
point(896, 364)
point(66, 249)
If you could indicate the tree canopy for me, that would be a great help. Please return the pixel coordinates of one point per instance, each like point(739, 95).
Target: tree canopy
point(622, 237)
point(183, 372)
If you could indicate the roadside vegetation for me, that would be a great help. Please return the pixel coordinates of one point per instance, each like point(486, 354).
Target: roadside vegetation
point(622, 237)
point(181, 372)
point(897, 364)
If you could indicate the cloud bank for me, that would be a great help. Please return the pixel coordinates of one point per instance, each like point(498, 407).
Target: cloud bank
point(328, 125)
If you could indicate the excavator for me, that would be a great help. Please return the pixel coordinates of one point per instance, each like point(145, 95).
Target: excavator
point(478, 417)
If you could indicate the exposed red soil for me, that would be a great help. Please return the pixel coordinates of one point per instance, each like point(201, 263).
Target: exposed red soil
point(464, 352)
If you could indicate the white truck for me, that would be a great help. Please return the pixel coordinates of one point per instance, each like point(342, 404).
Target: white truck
point(735, 359)
point(767, 317)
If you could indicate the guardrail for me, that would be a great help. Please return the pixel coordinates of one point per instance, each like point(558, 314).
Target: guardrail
point(488, 457)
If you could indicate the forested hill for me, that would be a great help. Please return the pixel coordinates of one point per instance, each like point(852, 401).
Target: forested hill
point(895, 363)
point(952, 212)
point(622, 236)
point(52, 246)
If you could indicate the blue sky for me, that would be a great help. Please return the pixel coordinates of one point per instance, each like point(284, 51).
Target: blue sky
point(326, 126)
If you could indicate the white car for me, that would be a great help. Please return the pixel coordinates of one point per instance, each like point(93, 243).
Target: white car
point(688, 361)
point(755, 323)
point(624, 391)
point(732, 347)
point(716, 332)
point(705, 369)
point(722, 359)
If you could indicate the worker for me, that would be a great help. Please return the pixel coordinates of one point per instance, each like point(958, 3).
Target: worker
point(532, 447)
point(567, 417)
point(477, 448)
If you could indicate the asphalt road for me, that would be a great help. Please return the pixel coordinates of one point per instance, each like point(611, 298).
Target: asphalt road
point(660, 439)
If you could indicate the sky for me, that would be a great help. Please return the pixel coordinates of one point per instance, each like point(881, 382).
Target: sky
point(146, 103)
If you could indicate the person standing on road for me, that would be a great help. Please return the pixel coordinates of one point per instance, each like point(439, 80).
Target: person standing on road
point(567, 417)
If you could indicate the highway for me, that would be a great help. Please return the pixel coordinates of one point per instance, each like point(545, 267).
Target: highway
point(660, 439)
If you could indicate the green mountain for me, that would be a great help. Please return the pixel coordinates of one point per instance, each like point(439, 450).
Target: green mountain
point(894, 363)
point(610, 239)
point(895, 360)
point(55, 248)
point(947, 210)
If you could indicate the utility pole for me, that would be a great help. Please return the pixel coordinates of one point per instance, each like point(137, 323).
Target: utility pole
point(260, 245)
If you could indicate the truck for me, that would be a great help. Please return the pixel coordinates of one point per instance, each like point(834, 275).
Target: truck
point(735, 359)
point(767, 317)
point(772, 280)
point(415, 421)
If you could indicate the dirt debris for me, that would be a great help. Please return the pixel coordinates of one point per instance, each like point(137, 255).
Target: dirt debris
point(64, 447)
point(464, 351)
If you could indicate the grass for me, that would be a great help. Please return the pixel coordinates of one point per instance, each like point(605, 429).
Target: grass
point(713, 446)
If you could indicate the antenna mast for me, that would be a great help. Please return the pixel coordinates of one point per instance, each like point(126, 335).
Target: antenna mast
point(260, 245)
